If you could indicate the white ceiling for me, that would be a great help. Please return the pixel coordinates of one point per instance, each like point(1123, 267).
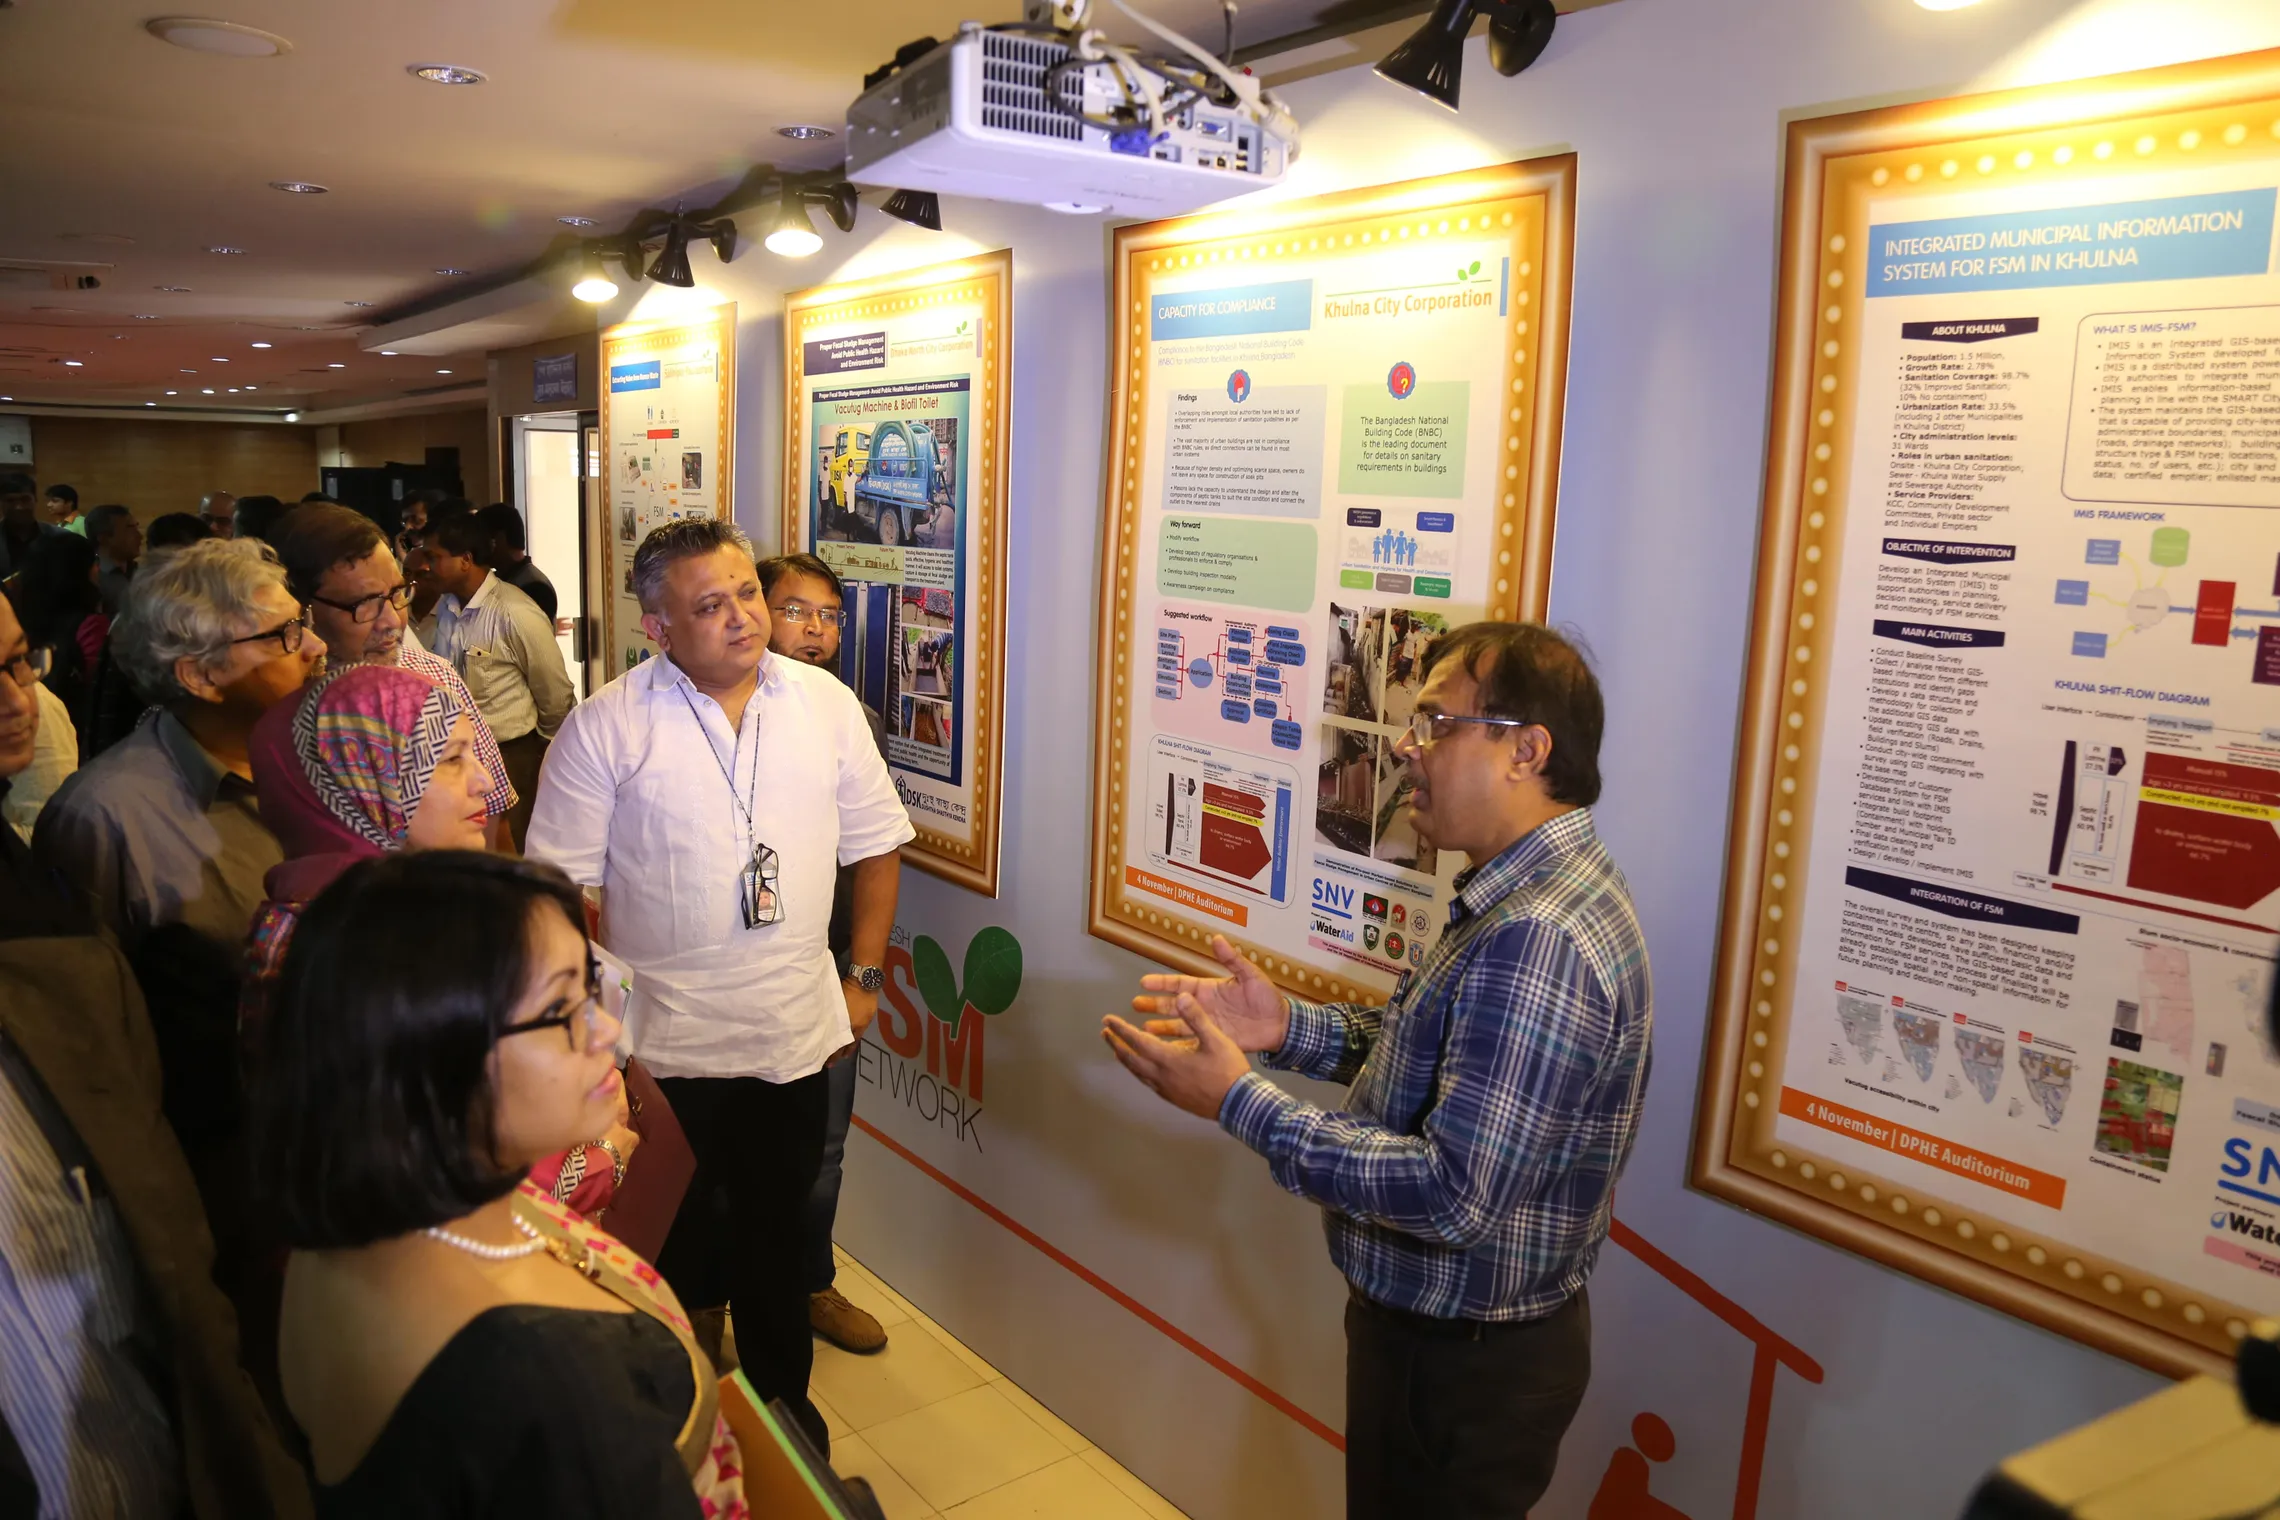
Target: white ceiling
point(133, 157)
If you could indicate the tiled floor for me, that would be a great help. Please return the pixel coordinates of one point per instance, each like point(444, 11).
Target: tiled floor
point(941, 1435)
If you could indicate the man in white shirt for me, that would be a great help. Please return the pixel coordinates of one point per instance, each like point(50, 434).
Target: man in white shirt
point(503, 647)
point(713, 793)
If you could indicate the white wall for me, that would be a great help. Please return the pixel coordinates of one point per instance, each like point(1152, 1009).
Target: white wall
point(1675, 108)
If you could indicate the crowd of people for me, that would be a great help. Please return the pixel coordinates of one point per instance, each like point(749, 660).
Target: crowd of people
point(314, 1083)
point(374, 1014)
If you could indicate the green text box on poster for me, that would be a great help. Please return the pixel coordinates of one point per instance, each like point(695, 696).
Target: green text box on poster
point(1410, 446)
point(1234, 559)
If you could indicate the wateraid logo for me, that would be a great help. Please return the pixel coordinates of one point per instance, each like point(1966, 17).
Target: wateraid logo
point(927, 1010)
point(2242, 1224)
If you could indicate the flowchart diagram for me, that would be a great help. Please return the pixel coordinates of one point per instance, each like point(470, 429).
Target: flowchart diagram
point(2218, 619)
point(1247, 668)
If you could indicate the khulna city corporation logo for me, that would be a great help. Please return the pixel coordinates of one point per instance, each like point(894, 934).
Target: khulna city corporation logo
point(1239, 385)
point(1401, 380)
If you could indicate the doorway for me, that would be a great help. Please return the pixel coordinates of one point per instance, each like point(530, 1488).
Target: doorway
point(549, 491)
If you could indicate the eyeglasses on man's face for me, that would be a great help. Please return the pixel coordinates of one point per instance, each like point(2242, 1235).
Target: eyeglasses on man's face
point(29, 668)
point(1427, 729)
point(803, 614)
point(287, 634)
point(366, 609)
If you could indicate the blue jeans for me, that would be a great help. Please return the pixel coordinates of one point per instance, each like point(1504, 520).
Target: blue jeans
point(823, 1199)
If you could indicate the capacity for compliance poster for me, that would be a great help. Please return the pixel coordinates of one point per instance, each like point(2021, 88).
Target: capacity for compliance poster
point(1336, 438)
point(2005, 936)
point(895, 477)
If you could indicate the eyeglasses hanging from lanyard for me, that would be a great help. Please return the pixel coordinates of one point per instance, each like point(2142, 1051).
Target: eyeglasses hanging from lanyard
point(757, 895)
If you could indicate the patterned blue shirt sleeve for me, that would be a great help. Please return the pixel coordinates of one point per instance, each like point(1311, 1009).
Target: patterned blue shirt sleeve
point(1526, 1031)
point(1326, 1040)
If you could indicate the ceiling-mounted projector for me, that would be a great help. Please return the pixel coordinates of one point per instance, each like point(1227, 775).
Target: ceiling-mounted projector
point(1054, 114)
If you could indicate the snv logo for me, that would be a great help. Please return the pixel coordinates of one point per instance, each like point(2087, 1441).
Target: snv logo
point(957, 1006)
point(2243, 1156)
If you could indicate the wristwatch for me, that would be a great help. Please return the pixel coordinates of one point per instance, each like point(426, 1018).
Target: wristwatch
point(869, 978)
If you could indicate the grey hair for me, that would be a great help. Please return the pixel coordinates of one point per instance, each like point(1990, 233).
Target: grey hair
point(684, 538)
point(102, 519)
point(189, 603)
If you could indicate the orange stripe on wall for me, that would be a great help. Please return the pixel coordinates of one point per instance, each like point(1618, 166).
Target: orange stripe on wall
point(1980, 1166)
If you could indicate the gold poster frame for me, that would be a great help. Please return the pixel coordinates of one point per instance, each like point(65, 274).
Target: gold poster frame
point(1539, 193)
point(988, 279)
point(633, 340)
point(2032, 137)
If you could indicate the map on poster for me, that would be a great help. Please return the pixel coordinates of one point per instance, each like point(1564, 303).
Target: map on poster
point(897, 486)
point(1339, 441)
point(668, 392)
point(2015, 911)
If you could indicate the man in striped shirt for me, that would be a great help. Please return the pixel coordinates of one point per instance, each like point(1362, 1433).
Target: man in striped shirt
point(503, 647)
point(1469, 1180)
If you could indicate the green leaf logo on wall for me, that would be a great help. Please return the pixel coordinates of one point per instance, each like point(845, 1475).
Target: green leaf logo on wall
point(992, 976)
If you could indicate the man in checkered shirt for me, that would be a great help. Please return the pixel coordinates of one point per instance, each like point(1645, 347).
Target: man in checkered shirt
point(1469, 1180)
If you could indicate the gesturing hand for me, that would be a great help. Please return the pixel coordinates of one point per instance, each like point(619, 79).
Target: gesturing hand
point(1245, 1005)
point(1191, 1070)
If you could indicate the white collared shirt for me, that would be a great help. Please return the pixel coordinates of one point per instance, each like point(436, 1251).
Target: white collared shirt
point(633, 799)
point(503, 647)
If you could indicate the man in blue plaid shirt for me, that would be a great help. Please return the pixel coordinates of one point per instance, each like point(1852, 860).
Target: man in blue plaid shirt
point(1468, 1182)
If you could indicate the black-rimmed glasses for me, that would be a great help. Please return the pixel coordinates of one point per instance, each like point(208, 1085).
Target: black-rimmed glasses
point(366, 609)
point(287, 634)
point(762, 903)
point(576, 1022)
point(31, 667)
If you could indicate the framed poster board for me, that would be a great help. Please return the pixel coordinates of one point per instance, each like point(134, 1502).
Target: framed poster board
point(1333, 434)
point(895, 429)
point(2001, 902)
point(668, 436)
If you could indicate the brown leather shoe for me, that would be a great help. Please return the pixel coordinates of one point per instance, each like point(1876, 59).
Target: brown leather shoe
point(831, 1316)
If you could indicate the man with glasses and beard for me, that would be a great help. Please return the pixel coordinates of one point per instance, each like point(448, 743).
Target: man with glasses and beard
point(712, 793)
point(338, 562)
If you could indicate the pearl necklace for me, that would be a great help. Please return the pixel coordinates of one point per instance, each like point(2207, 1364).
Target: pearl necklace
point(531, 1245)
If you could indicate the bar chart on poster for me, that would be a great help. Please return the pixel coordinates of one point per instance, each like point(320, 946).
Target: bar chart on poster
point(894, 475)
point(1337, 437)
point(2001, 933)
point(668, 392)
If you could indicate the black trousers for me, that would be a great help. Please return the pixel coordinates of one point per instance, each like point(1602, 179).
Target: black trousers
point(739, 1239)
point(1458, 1428)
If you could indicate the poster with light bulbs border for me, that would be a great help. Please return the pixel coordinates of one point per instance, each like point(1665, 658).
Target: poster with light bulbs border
point(1334, 430)
point(2004, 878)
point(668, 434)
point(895, 434)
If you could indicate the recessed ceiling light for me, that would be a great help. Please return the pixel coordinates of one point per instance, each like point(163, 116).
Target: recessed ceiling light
point(257, 343)
point(336, 366)
point(224, 248)
point(218, 359)
point(202, 35)
point(72, 364)
point(387, 353)
point(233, 390)
point(116, 337)
point(445, 73)
point(150, 403)
point(173, 290)
point(292, 416)
point(443, 372)
point(577, 221)
point(208, 391)
point(299, 187)
point(451, 271)
point(356, 303)
point(146, 316)
point(174, 393)
point(189, 372)
point(253, 387)
point(804, 133)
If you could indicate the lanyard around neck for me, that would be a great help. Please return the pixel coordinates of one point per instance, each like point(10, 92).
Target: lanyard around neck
point(728, 769)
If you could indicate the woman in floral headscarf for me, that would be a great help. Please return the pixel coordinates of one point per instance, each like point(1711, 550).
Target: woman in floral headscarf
point(371, 760)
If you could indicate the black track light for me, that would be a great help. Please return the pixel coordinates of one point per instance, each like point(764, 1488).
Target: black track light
point(672, 266)
point(920, 208)
point(837, 200)
point(1432, 61)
